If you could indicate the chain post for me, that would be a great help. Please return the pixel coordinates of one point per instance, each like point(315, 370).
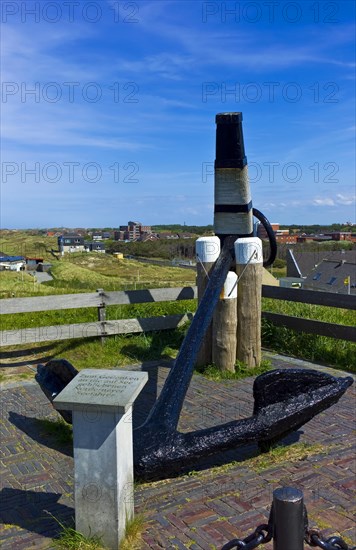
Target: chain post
point(288, 525)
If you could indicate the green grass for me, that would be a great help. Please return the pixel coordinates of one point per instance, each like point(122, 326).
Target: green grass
point(133, 532)
point(20, 284)
point(70, 539)
point(122, 350)
point(81, 272)
point(310, 311)
point(278, 272)
point(117, 351)
point(212, 372)
point(58, 429)
point(23, 243)
point(127, 349)
point(285, 453)
point(92, 271)
point(135, 348)
point(88, 315)
point(330, 351)
point(278, 454)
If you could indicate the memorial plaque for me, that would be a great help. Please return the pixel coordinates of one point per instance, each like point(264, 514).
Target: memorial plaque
point(108, 389)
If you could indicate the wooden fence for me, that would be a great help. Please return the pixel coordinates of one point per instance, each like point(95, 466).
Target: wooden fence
point(103, 327)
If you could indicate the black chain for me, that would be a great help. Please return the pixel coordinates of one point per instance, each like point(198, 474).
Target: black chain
point(314, 538)
point(264, 533)
point(261, 535)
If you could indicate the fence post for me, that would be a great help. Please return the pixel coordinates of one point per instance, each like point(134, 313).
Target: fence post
point(224, 326)
point(288, 519)
point(102, 314)
point(207, 251)
point(249, 269)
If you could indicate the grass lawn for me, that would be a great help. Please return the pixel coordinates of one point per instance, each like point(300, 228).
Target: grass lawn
point(83, 272)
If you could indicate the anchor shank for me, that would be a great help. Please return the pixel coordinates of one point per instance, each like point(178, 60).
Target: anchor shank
point(167, 408)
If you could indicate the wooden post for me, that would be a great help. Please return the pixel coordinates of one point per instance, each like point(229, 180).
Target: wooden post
point(232, 218)
point(224, 326)
point(207, 251)
point(249, 269)
point(102, 315)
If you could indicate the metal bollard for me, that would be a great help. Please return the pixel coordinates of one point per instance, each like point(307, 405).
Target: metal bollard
point(288, 519)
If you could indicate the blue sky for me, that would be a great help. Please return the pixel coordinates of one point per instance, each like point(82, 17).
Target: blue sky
point(108, 109)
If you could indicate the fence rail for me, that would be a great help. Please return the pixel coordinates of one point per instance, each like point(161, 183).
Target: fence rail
point(311, 326)
point(95, 299)
point(90, 330)
point(315, 297)
point(101, 299)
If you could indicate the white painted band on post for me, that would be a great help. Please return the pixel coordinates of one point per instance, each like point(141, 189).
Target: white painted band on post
point(229, 290)
point(227, 223)
point(247, 247)
point(232, 188)
point(207, 249)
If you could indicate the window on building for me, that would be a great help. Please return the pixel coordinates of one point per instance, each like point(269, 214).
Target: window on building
point(331, 281)
point(316, 276)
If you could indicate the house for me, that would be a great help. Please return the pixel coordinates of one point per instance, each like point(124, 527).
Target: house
point(12, 263)
point(100, 236)
point(262, 233)
point(32, 263)
point(97, 236)
point(333, 276)
point(94, 246)
point(186, 236)
point(148, 237)
point(70, 243)
point(311, 238)
point(300, 264)
point(282, 235)
point(133, 231)
point(340, 235)
point(168, 235)
point(44, 267)
point(119, 235)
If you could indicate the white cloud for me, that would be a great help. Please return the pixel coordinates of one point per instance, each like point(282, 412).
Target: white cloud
point(327, 201)
point(339, 199)
point(345, 199)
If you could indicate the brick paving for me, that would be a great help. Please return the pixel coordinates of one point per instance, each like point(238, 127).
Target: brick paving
point(202, 509)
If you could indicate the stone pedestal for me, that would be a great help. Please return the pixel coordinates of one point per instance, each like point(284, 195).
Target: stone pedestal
point(101, 402)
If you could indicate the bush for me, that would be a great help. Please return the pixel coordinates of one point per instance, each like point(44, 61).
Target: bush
point(279, 263)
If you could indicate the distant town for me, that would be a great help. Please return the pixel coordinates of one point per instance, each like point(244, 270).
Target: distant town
point(312, 257)
point(135, 231)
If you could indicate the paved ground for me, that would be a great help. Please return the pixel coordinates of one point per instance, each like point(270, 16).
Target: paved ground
point(42, 276)
point(202, 510)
